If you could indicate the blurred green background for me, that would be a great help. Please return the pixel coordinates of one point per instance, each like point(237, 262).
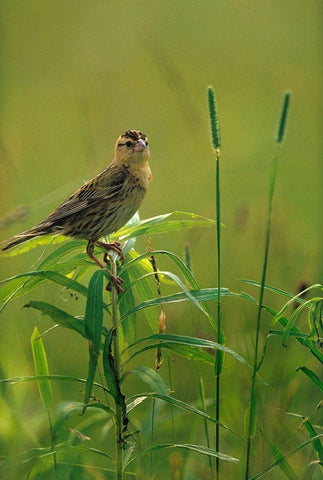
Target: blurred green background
point(76, 74)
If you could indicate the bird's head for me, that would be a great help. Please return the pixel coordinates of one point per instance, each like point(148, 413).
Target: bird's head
point(132, 147)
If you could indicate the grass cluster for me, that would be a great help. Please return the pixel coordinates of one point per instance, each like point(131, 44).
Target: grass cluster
point(126, 418)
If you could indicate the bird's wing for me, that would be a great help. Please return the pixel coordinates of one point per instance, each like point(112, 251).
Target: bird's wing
point(96, 190)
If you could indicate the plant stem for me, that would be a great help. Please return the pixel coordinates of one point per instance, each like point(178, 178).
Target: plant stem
point(117, 361)
point(260, 305)
point(219, 313)
point(252, 405)
point(52, 444)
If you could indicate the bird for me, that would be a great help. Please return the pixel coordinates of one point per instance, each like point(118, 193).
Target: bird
point(102, 205)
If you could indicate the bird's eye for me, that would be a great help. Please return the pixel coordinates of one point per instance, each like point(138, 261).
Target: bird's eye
point(128, 144)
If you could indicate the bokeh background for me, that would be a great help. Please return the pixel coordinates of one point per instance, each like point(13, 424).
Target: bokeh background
point(76, 74)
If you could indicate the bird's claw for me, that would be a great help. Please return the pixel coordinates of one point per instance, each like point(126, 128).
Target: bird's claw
point(115, 247)
point(117, 282)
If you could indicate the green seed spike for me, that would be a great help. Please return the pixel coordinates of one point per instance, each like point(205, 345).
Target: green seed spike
point(283, 119)
point(214, 122)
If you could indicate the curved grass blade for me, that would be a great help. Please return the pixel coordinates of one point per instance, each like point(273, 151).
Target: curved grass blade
point(285, 467)
point(192, 353)
point(53, 276)
point(192, 448)
point(136, 400)
point(162, 224)
point(202, 295)
point(168, 338)
point(289, 454)
point(316, 441)
point(41, 368)
point(151, 378)
point(62, 318)
point(175, 278)
point(35, 454)
point(62, 378)
point(93, 322)
point(187, 274)
point(143, 290)
point(127, 302)
point(34, 242)
point(315, 379)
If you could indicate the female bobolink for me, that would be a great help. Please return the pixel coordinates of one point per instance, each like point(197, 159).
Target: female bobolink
point(105, 203)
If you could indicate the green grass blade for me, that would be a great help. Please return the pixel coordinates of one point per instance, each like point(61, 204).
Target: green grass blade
point(151, 378)
point(177, 281)
point(41, 368)
point(60, 378)
point(62, 318)
point(186, 272)
point(94, 310)
point(163, 224)
point(285, 467)
point(202, 295)
point(168, 338)
point(191, 353)
point(127, 302)
point(316, 441)
point(34, 242)
point(52, 276)
point(192, 448)
point(288, 455)
point(93, 327)
point(143, 291)
point(136, 400)
point(315, 379)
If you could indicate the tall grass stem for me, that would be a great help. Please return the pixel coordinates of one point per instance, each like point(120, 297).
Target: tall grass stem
point(216, 143)
point(252, 404)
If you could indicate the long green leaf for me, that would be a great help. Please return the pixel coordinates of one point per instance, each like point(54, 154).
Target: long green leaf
point(191, 353)
point(315, 379)
point(34, 242)
point(40, 453)
point(192, 448)
point(151, 378)
point(53, 276)
point(41, 368)
point(285, 467)
point(188, 275)
point(168, 338)
point(176, 280)
point(93, 327)
point(62, 318)
point(127, 302)
point(316, 441)
point(136, 400)
point(61, 378)
point(144, 291)
point(94, 310)
point(289, 454)
point(202, 295)
point(162, 224)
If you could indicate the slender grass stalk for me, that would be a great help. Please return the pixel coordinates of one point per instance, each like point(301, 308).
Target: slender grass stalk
point(117, 361)
point(252, 412)
point(216, 143)
point(206, 427)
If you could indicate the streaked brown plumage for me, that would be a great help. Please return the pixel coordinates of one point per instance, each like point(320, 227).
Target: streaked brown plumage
point(105, 203)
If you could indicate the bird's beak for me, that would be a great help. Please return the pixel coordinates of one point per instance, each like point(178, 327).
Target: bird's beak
point(140, 146)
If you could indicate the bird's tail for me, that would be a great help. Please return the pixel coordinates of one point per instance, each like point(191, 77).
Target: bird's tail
point(20, 238)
